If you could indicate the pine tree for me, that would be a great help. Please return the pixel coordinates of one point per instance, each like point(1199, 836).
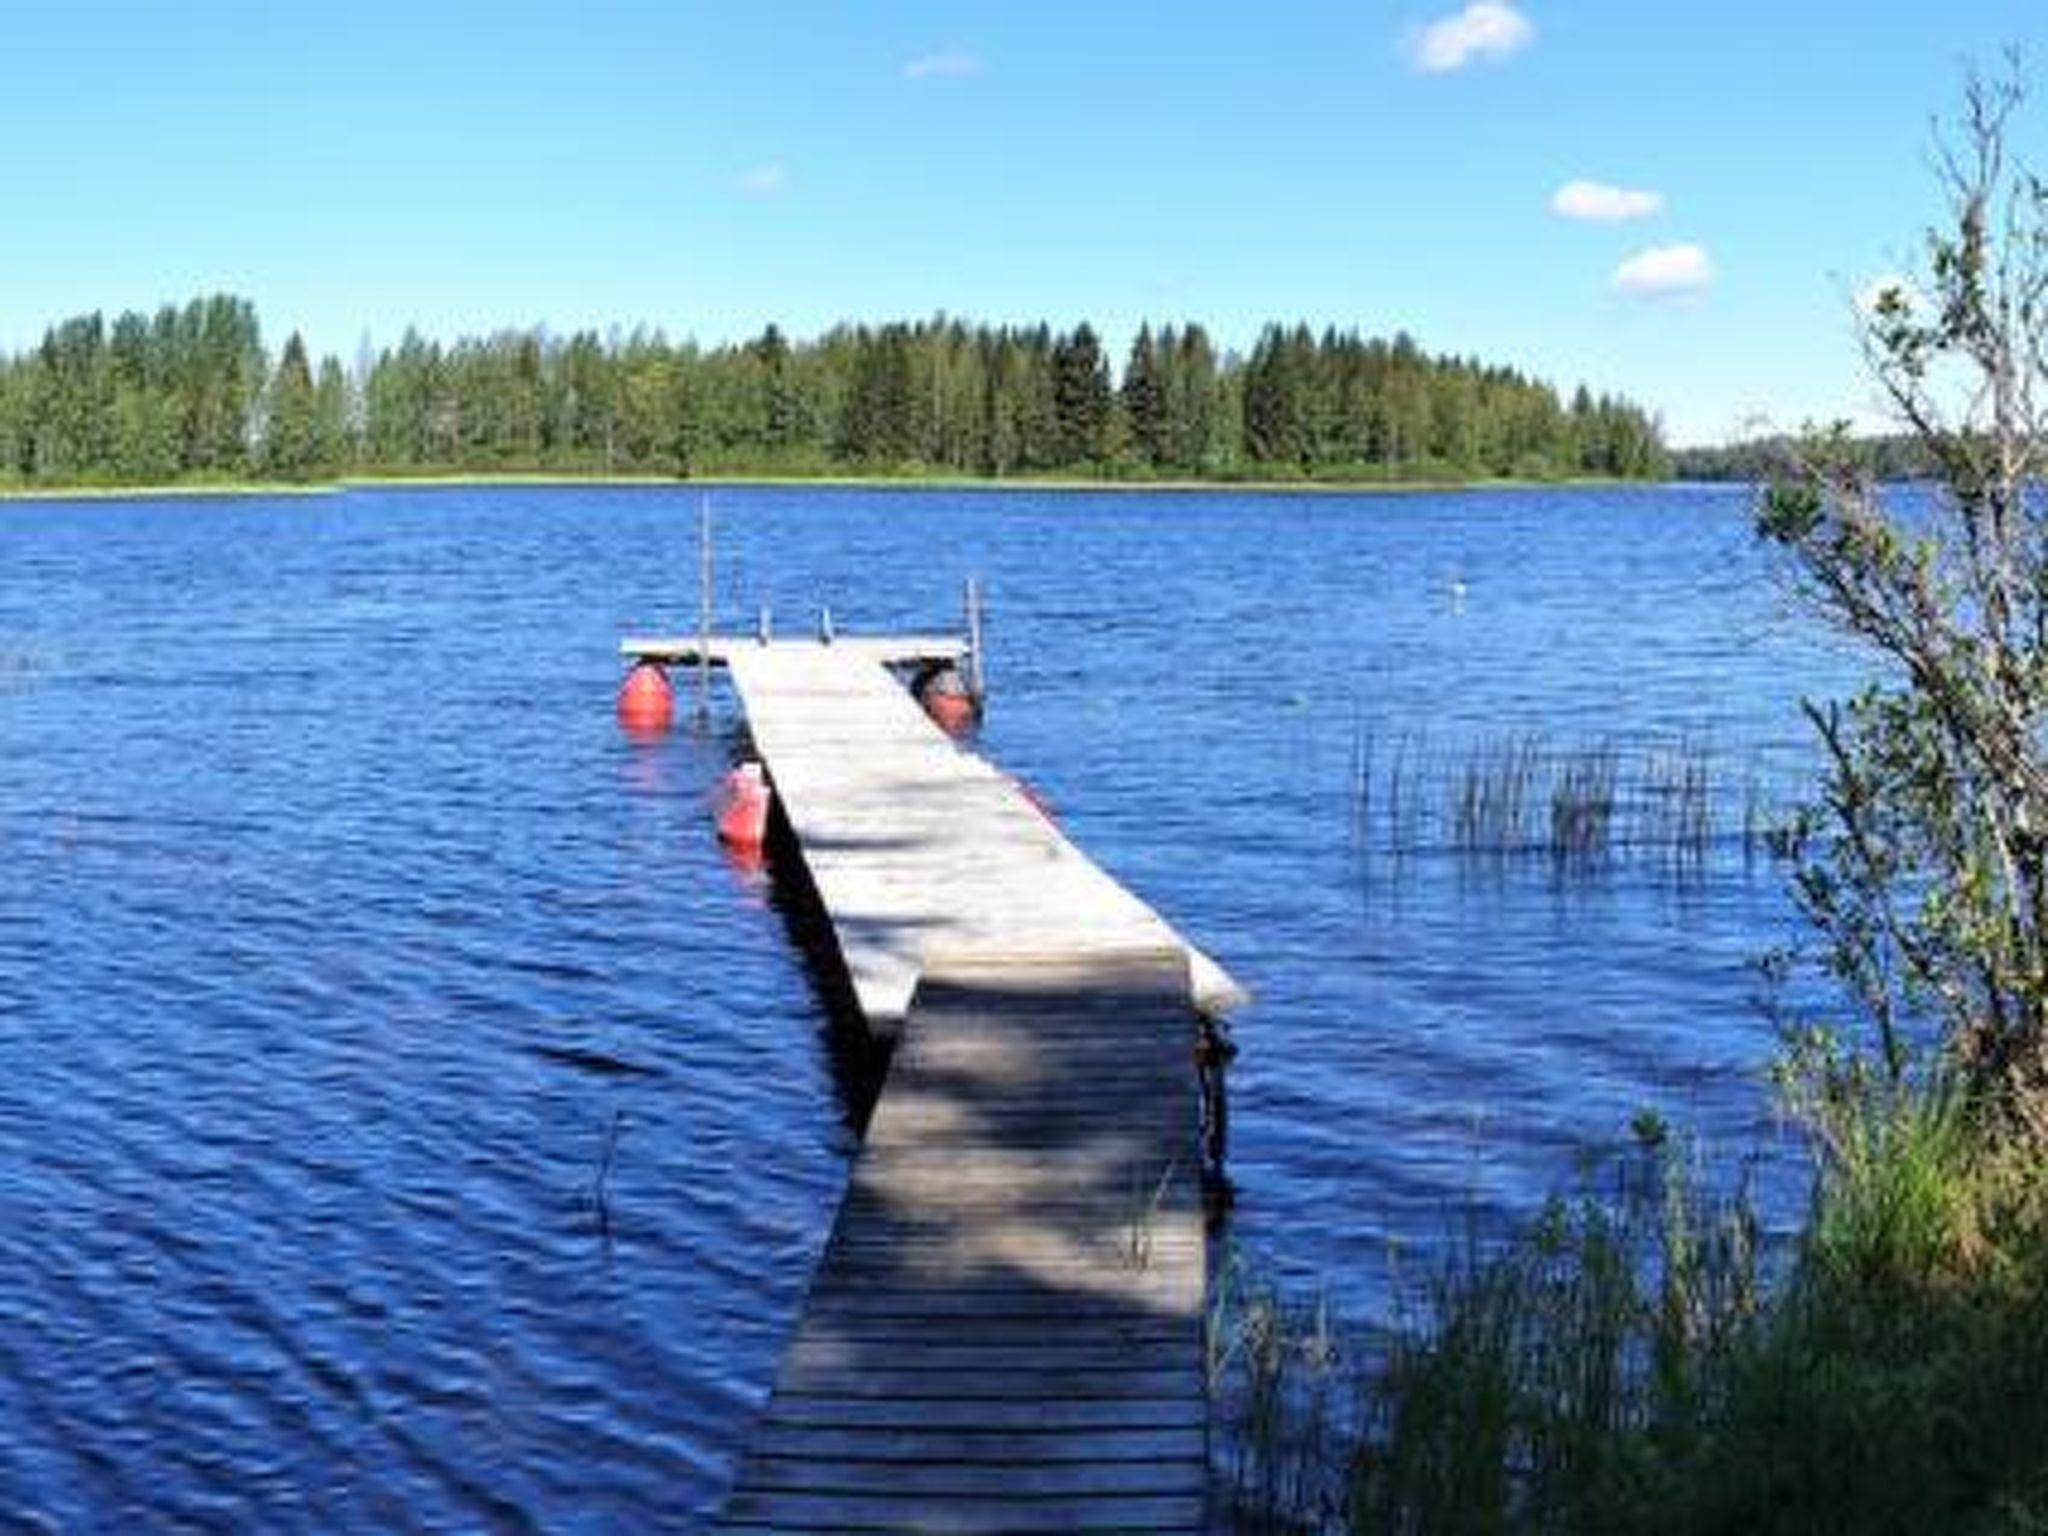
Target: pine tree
point(1081, 398)
point(1144, 399)
point(782, 409)
point(290, 446)
point(1194, 438)
point(333, 426)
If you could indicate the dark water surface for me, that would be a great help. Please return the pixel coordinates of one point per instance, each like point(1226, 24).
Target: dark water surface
point(345, 945)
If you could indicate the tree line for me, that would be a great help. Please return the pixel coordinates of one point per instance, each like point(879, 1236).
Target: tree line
point(1883, 456)
point(192, 392)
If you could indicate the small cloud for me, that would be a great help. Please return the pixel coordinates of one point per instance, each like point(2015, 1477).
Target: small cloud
point(1665, 272)
point(1595, 202)
point(946, 64)
point(1485, 29)
point(767, 179)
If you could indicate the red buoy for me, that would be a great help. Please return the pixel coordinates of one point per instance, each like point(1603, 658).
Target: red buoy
point(647, 705)
point(947, 700)
point(743, 801)
point(953, 713)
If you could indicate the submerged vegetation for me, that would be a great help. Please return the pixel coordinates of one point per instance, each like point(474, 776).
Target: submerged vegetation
point(192, 393)
point(1637, 1360)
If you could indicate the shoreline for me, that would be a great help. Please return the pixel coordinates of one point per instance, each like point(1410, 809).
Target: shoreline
point(177, 490)
point(1064, 485)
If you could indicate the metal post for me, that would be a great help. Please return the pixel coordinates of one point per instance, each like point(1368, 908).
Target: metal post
point(976, 677)
point(704, 599)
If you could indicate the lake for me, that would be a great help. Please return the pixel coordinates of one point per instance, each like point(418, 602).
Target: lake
point(410, 1119)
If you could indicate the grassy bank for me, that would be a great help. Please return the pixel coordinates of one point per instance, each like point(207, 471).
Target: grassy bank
point(191, 490)
point(1632, 1362)
point(95, 490)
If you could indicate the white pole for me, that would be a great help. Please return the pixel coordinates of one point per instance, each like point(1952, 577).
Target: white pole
point(976, 675)
point(703, 608)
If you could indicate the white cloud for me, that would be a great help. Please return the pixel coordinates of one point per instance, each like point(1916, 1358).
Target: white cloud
point(945, 64)
point(1484, 29)
point(1665, 272)
point(1595, 202)
point(764, 180)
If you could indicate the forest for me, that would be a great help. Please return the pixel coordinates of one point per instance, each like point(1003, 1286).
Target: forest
point(192, 393)
point(1884, 456)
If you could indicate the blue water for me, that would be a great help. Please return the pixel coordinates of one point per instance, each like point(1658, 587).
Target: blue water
point(408, 1119)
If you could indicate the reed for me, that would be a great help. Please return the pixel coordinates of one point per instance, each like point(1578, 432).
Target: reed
point(1629, 1361)
point(1279, 1374)
point(1582, 807)
point(1677, 802)
point(1576, 810)
point(1496, 794)
point(600, 1193)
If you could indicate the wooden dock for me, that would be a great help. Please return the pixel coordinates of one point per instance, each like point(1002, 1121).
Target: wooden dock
point(914, 845)
point(1005, 1333)
point(880, 650)
point(1006, 1330)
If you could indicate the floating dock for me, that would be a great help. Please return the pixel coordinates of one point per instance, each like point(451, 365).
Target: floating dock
point(1006, 1330)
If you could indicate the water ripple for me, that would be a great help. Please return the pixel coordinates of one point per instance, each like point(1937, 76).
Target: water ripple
point(341, 935)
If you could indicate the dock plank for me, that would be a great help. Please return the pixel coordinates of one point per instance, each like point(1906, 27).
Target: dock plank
point(1005, 1330)
point(920, 850)
point(782, 1511)
point(1019, 1348)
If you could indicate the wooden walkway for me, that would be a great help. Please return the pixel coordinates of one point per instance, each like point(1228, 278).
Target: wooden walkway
point(1005, 1333)
point(915, 846)
point(1006, 1330)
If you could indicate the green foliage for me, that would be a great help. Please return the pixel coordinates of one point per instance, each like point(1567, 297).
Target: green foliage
point(1620, 1364)
point(1081, 398)
point(1892, 1387)
point(191, 393)
point(290, 436)
point(1556, 1379)
point(1144, 399)
point(1924, 863)
point(1878, 456)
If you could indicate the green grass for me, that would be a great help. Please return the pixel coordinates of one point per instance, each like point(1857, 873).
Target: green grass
point(188, 489)
point(1630, 1363)
point(902, 479)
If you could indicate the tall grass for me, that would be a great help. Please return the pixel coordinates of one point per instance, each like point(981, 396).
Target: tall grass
point(1629, 1363)
point(1582, 804)
point(1280, 1375)
point(1578, 809)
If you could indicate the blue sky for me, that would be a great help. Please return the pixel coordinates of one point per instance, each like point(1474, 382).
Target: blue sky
point(708, 168)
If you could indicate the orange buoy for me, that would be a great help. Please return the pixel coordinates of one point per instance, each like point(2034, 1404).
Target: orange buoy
point(743, 801)
point(647, 705)
point(953, 713)
point(948, 700)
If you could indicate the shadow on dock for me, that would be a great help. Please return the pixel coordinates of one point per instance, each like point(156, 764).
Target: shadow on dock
point(1006, 1330)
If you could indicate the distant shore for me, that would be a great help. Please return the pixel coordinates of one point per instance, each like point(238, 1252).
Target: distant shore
point(177, 490)
point(202, 490)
